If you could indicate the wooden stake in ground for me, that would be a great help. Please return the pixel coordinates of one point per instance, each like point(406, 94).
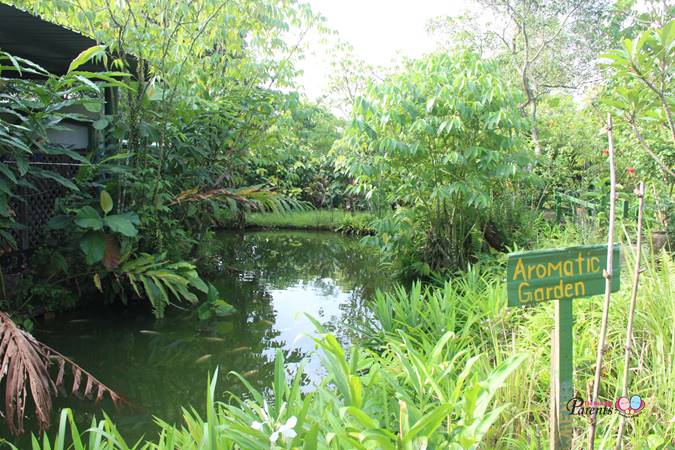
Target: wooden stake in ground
point(562, 385)
point(608, 285)
point(640, 192)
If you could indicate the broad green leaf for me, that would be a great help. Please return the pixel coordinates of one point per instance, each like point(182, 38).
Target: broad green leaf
point(97, 51)
point(88, 217)
point(59, 222)
point(93, 246)
point(119, 223)
point(100, 124)
point(54, 176)
point(5, 170)
point(223, 309)
point(428, 424)
point(4, 235)
point(106, 202)
point(93, 106)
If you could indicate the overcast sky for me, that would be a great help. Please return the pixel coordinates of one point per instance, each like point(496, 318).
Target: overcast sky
point(379, 30)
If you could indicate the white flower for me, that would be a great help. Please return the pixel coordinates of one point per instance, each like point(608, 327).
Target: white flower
point(286, 430)
point(257, 425)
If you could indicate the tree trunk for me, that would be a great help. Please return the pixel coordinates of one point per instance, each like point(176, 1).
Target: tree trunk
point(532, 103)
point(535, 130)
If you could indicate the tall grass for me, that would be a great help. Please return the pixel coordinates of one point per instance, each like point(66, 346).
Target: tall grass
point(473, 309)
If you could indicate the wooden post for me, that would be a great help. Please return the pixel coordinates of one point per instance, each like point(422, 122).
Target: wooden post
point(561, 371)
point(626, 212)
point(640, 192)
point(558, 213)
point(608, 287)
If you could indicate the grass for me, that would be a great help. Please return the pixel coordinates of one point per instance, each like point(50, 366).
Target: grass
point(315, 219)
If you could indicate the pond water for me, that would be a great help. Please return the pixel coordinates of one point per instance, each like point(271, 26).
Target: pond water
point(272, 278)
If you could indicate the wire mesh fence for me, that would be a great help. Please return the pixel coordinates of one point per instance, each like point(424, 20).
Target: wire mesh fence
point(33, 206)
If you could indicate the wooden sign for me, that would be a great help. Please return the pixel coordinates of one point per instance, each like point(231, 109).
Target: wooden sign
point(558, 274)
point(561, 275)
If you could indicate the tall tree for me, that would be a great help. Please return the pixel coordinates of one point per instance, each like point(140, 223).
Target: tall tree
point(547, 45)
point(348, 80)
point(552, 45)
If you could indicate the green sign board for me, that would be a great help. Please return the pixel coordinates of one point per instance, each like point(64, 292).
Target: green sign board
point(559, 274)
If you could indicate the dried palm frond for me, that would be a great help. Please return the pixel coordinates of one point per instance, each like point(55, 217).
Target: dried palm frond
point(26, 364)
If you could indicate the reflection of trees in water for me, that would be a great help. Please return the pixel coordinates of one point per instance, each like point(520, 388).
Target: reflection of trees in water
point(326, 262)
point(282, 259)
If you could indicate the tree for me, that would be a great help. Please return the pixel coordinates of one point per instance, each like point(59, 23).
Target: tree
point(641, 90)
point(549, 45)
point(348, 79)
point(437, 142)
point(643, 86)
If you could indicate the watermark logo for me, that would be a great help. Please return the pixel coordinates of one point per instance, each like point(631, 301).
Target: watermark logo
point(625, 406)
point(629, 407)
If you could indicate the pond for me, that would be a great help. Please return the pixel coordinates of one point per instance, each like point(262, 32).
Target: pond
point(272, 278)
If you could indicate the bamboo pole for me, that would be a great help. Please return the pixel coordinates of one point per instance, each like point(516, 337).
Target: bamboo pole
point(608, 286)
point(640, 192)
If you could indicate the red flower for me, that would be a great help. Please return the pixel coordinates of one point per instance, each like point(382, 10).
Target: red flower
point(631, 170)
point(605, 152)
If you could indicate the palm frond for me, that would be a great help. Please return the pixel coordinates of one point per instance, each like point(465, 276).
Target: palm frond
point(249, 198)
point(26, 364)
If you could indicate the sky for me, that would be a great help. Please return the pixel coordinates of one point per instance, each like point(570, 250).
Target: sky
point(379, 30)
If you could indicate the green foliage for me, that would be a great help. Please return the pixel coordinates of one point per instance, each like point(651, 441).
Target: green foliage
point(104, 241)
point(472, 309)
point(29, 111)
point(93, 242)
point(299, 162)
point(356, 223)
point(435, 143)
point(214, 306)
point(641, 92)
point(206, 88)
point(573, 145)
point(160, 280)
point(196, 94)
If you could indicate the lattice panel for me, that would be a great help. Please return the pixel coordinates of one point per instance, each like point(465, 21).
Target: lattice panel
point(37, 206)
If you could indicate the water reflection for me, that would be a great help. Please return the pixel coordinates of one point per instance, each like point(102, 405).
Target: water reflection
point(273, 278)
